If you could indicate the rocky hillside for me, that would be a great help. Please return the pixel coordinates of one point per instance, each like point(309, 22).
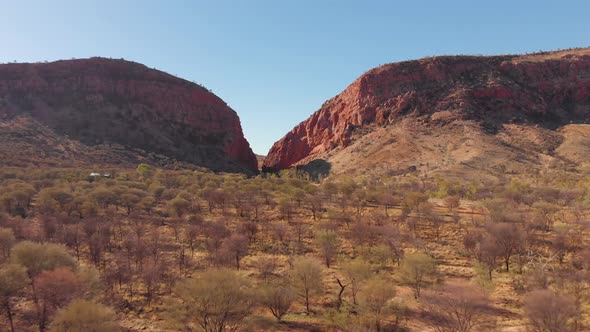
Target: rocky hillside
point(105, 111)
point(440, 112)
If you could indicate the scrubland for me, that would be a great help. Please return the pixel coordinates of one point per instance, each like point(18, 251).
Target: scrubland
point(149, 249)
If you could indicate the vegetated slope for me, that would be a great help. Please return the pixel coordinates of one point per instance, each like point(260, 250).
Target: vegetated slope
point(114, 112)
point(260, 160)
point(450, 113)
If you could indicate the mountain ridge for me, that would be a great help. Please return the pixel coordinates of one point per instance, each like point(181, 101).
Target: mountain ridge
point(100, 101)
point(548, 89)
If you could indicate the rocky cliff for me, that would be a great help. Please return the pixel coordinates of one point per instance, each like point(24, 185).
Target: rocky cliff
point(102, 102)
point(546, 90)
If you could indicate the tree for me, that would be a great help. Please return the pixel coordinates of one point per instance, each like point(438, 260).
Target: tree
point(286, 207)
point(306, 278)
point(72, 237)
point(471, 242)
point(13, 279)
point(457, 309)
point(508, 238)
point(39, 257)
point(393, 237)
point(489, 251)
point(144, 170)
point(414, 200)
point(576, 285)
point(215, 197)
point(501, 210)
point(356, 271)
point(277, 298)
point(178, 206)
point(279, 233)
point(548, 312)
point(49, 227)
point(452, 202)
point(314, 202)
point(119, 272)
point(85, 316)
point(376, 301)
point(235, 247)
point(328, 243)
point(7, 240)
point(104, 197)
point(217, 301)
point(151, 276)
point(36, 258)
point(359, 200)
point(342, 289)
point(17, 198)
point(299, 228)
point(388, 200)
point(266, 265)
point(95, 248)
point(417, 270)
point(130, 199)
point(190, 236)
point(561, 245)
point(546, 212)
point(437, 221)
point(363, 235)
point(55, 199)
point(55, 289)
point(250, 228)
point(157, 190)
point(90, 281)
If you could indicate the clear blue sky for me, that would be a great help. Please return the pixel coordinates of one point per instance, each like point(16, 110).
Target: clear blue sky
point(275, 62)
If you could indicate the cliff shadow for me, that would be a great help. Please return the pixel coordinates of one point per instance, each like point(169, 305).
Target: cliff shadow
point(316, 169)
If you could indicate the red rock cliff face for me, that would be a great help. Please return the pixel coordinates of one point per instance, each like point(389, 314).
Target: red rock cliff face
point(103, 101)
point(548, 89)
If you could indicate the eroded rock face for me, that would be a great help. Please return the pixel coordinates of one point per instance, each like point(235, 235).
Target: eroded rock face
point(547, 89)
point(101, 101)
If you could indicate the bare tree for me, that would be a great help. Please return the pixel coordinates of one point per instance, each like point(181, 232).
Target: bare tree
point(216, 301)
point(471, 242)
point(575, 284)
point(266, 265)
point(393, 237)
point(508, 237)
point(489, 252)
point(151, 275)
point(546, 213)
point(454, 308)
point(277, 298)
point(561, 245)
point(235, 247)
point(73, 238)
point(55, 288)
point(548, 312)
point(280, 233)
point(452, 202)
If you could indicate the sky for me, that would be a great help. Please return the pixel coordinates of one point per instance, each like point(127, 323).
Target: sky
point(276, 62)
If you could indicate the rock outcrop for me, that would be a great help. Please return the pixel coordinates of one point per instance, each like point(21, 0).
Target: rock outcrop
point(548, 90)
point(105, 102)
